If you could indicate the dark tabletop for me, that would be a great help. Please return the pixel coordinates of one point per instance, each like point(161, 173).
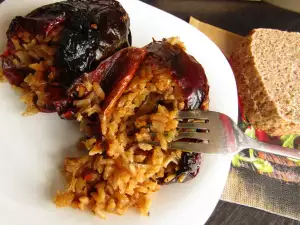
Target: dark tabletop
point(239, 17)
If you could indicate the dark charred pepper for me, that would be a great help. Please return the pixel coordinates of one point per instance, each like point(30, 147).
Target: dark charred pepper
point(89, 31)
point(116, 72)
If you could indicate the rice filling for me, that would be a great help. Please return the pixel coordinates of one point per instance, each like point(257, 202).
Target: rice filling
point(132, 98)
point(121, 171)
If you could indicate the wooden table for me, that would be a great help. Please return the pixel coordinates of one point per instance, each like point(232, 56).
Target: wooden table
point(239, 17)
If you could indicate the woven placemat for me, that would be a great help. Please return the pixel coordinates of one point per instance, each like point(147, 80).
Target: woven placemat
point(248, 188)
point(277, 189)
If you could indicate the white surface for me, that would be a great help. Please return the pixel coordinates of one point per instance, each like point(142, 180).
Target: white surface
point(33, 148)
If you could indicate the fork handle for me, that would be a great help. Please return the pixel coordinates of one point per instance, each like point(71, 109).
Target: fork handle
point(274, 149)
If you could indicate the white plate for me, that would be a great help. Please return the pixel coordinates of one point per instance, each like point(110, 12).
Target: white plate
point(33, 148)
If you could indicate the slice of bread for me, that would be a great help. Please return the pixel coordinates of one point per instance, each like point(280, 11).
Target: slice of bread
point(267, 69)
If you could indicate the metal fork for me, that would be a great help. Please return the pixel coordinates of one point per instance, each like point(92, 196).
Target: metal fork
point(216, 133)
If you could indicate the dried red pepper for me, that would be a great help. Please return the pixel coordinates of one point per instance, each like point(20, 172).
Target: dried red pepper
point(89, 31)
point(115, 73)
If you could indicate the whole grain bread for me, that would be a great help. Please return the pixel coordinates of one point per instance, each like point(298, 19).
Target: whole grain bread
point(267, 69)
